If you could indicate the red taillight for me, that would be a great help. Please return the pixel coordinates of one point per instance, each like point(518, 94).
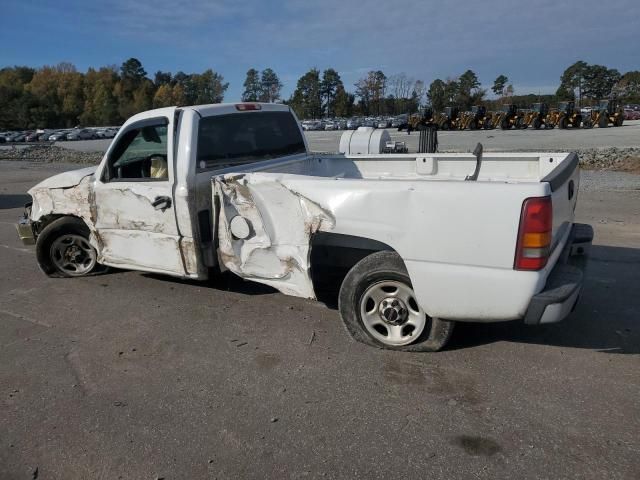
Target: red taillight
point(243, 107)
point(534, 234)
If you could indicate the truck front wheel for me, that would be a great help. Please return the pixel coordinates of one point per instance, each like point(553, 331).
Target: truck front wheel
point(63, 249)
point(379, 308)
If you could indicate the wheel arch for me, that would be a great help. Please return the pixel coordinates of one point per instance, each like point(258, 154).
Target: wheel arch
point(45, 220)
point(333, 255)
point(343, 250)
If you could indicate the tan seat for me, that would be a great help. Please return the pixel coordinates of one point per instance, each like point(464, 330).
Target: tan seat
point(159, 168)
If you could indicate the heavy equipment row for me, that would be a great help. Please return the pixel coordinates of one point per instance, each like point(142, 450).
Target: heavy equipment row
point(539, 116)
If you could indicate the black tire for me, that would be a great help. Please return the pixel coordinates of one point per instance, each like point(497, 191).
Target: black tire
point(53, 231)
point(473, 125)
point(562, 124)
point(505, 125)
point(375, 268)
point(603, 121)
point(537, 123)
point(619, 121)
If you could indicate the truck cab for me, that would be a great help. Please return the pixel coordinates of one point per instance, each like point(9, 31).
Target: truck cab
point(148, 204)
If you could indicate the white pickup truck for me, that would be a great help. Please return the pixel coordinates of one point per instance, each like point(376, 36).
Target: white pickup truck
point(427, 239)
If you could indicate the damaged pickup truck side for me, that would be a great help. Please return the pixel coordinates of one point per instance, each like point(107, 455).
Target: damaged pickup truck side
point(427, 240)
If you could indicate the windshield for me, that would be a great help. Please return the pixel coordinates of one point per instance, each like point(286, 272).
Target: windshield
point(239, 138)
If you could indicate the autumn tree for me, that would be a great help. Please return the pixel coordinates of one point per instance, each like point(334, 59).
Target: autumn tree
point(329, 86)
point(628, 87)
point(343, 102)
point(469, 92)
point(371, 91)
point(306, 99)
point(572, 79)
point(437, 95)
point(15, 100)
point(101, 104)
point(598, 81)
point(270, 86)
point(251, 86)
point(499, 84)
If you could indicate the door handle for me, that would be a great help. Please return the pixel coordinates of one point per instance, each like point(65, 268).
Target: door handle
point(161, 203)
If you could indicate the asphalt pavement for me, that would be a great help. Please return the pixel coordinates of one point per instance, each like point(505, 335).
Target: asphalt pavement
point(136, 376)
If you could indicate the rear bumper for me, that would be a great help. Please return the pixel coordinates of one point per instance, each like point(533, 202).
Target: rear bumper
point(564, 284)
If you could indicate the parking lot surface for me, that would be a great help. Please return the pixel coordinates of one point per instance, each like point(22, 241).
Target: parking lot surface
point(135, 376)
point(497, 140)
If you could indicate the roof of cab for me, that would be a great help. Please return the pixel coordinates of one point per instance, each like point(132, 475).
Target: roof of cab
point(226, 108)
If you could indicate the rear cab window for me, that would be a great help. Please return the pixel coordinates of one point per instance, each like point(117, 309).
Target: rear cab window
point(247, 137)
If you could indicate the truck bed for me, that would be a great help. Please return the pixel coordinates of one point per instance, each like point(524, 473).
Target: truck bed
point(454, 235)
point(495, 167)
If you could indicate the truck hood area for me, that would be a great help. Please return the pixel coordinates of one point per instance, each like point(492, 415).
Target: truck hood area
point(65, 179)
point(69, 193)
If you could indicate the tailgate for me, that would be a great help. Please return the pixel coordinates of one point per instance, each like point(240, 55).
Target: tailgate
point(564, 181)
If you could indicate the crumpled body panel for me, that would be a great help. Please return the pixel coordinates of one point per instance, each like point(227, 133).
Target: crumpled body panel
point(75, 199)
point(276, 249)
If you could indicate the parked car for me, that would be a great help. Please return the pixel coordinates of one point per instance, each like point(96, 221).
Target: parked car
point(631, 114)
point(353, 123)
point(19, 137)
point(44, 136)
point(10, 136)
point(81, 134)
point(58, 136)
point(425, 260)
point(33, 136)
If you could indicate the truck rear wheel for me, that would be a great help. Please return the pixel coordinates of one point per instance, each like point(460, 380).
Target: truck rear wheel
point(63, 249)
point(379, 308)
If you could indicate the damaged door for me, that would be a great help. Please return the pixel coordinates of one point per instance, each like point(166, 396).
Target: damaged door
point(134, 215)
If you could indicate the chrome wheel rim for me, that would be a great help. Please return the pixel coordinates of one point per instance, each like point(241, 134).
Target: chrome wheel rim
point(73, 255)
point(391, 314)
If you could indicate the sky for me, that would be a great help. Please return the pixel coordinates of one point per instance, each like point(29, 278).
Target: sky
point(530, 41)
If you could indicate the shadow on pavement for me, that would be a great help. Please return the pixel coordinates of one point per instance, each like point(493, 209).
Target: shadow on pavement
point(607, 318)
point(225, 281)
point(13, 200)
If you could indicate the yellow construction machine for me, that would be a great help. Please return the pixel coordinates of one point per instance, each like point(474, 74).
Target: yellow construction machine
point(536, 117)
point(450, 119)
point(568, 116)
point(508, 117)
point(607, 111)
point(475, 119)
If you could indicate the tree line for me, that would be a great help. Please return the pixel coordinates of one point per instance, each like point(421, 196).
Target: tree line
point(60, 96)
point(325, 95)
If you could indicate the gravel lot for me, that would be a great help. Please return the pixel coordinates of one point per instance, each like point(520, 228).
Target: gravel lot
point(130, 375)
point(610, 148)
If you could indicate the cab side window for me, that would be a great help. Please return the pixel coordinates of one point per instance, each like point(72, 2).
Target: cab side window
point(140, 154)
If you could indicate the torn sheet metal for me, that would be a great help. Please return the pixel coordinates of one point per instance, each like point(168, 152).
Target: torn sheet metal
point(67, 200)
point(281, 222)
